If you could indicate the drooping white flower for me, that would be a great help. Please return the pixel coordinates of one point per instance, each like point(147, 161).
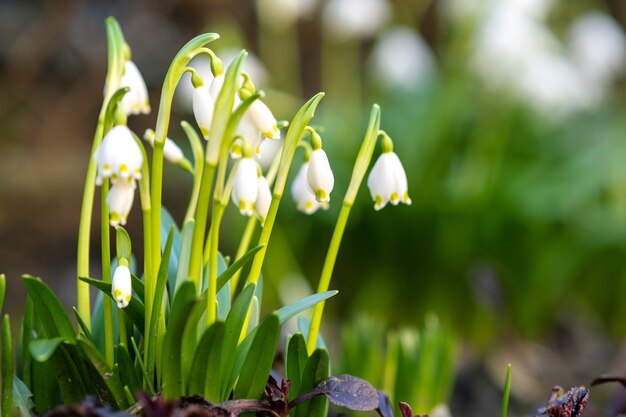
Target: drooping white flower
point(387, 181)
point(282, 14)
point(263, 199)
point(136, 100)
point(597, 45)
point(203, 106)
point(245, 186)
point(171, 151)
point(120, 201)
point(354, 19)
point(118, 156)
point(249, 131)
point(216, 86)
point(263, 119)
point(402, 59)
point(302, 194)
point(121, 286)
point(320, 176)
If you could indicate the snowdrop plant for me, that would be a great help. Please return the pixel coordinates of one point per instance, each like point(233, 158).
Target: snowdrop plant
point(182, 325)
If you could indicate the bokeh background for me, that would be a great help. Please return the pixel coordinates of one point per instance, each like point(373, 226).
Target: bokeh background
point(509, 116)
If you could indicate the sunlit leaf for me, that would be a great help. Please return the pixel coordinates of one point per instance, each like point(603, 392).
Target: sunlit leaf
point(204, 374)
point(22, 398)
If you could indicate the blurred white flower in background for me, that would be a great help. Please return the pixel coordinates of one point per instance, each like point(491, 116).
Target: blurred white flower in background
point(597, 45)
point(401, 59)
point(281, 14)
point(344, 20)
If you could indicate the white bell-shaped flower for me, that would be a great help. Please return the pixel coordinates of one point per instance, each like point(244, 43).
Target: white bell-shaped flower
point(216, 86)
point(245, 186)
point(118, 156)
point(263, 199)
point(136, 100)
point(250, 132)
point(387, 181)
point(263, 119)
point(320, 176)
point(302, 194)
point(120, 201)
point(171, 151)
point(203, 107)
point(121, 286)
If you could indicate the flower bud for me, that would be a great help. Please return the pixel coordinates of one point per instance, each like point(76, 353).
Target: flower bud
point(245, 186)
point(320, 176)
point(121, 286)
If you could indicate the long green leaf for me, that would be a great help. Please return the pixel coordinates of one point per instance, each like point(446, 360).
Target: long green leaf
point(168, 225)
point(151, 332)
point(83, 326)
point(127, 371)
point(204, 375)
point(257, 366)
point(223, 302)
point(3, 287)
point(27, 334)
point(42, 349)
point(234, 324)
point(22, 398)
point(194, 327)
point(290, 310)
point(6, 401)
point(135, 309)
point(183, 303)
point(185, 252)
point(297, 356)
point(110, 376)
point(225, 276)
point(49, 309)
point(317, 368)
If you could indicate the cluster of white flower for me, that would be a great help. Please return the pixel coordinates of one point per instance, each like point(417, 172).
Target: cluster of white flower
point(516, 50)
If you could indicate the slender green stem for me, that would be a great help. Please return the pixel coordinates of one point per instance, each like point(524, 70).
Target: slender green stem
point(198, 158)
point(115, 41)
point(507, 392)
point(296, 128)
point(121, 328)
point(216, 219)
point(360, 167)
point(175, 72)
point(105, 238)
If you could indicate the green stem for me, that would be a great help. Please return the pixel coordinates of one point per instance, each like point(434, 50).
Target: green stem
point(121, 328)
point(115, 41)
point(216, 220)
point(507, 392)
point(198, 158)
point(105, 238)
point(174, 73)
point(360, 167)
point(296, 128)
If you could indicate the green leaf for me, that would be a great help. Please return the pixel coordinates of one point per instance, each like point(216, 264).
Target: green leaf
point(225, 276)
point(168, 225)
point(127, 371)
point(42, 349)
point(317, 368)
point(26, 335)
point(234, 324)
point(182, 305)
point(223, 302)
point(253, 317)
point(194, 327)
point(185, 252)
point(3, 287)
point(110, 376)
point(22, 398)
point(83, 326)
point(49, 309)
point(297, 356)
point(257, 366)
point(303, 327)
point(151, 332)
point(204, 377)
point(138, 287)
point(123, 244)
point(135, 309)
point(297, 307)
point(6, 400)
